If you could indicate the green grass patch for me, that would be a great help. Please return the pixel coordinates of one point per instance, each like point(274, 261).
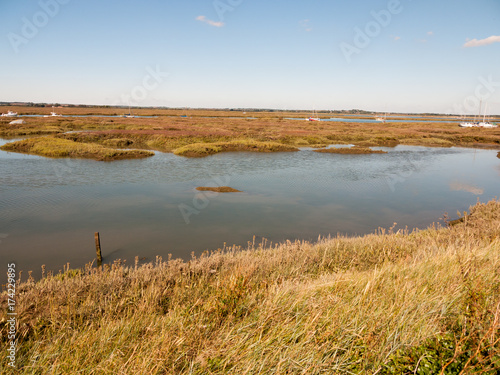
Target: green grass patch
point(426, 141)
point(63, 148)
point(356, 150)
point(205, 149)
point(218, 189)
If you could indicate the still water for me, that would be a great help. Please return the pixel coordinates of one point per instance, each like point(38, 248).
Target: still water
point(50, 208)
point(372, 120)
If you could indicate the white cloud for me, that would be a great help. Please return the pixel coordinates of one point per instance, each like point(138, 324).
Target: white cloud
point(430, 32)
point(482, 42)
point(210, 22)
point(305, 25)
point(397, 37)
point(458, 186)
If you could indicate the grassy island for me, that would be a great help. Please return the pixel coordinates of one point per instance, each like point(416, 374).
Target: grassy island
point(356, 150)
point(218, 189)
point(62, 148)
point(205, 149)
point(424, 302)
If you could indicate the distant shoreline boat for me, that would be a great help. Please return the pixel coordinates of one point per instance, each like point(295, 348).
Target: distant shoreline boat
point(129, 114)
point(53, 114)
point(479, 124)
point(381, 119)
point(313, 117)
point(9, 114)
point(467, 125)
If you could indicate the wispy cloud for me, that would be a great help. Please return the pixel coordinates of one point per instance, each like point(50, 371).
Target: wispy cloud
point(422, 40)
point(457, 186)
point(209, 21)
point(305, 25)
point(482, 42)
point(396, 37)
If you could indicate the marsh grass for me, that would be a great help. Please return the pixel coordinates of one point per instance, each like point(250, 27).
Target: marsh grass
point(205, 149)
point(168, 132)
point(62, 148)
point(356, 150)
point(426, 141)
point(393, 302)
point(218, 189)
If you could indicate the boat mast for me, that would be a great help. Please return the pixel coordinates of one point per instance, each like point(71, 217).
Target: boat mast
point(479, 114)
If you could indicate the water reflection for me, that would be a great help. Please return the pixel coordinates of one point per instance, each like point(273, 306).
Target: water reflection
point(50, 208)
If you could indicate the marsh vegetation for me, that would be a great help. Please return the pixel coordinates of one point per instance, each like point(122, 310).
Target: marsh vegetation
point(387, 303)
point(205, 132)
point(350, 150)
point(62, 148)
point(218, 189)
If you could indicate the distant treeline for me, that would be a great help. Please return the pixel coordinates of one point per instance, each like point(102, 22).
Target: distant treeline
point(255, 110)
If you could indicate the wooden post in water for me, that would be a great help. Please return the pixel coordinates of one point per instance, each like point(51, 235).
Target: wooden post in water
point(98, 249)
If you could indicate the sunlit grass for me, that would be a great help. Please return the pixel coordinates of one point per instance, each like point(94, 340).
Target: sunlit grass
point(351, 150)
point(168, 131)
point(205, 149)
point(63, 148)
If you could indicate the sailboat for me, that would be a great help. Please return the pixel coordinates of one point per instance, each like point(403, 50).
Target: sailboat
point(484, 123)
point(381, 119)
point(129, 114)
point(478, 124)
point(53, 114)
point(313, 117)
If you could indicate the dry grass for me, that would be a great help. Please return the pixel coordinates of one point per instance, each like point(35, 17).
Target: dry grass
point(426, 302)
point(63, 148)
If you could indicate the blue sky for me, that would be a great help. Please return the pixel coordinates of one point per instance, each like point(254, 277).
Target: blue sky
point(396, 55)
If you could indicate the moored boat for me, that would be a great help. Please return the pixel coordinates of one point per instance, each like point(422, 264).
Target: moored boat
point(9, 114)
point(479, 124)
point(313, 117)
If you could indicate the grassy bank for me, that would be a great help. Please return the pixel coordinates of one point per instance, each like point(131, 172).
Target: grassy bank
point(356, 150)
point(387, 303)
point(63, 148)
point(205, 149)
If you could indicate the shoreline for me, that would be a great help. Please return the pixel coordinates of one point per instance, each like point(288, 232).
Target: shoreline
point(40, 146)
point(294, 296)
